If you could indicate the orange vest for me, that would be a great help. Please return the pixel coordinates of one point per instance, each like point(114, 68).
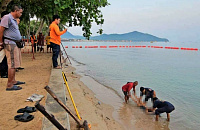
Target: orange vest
point(55, 33)
point(33, 39)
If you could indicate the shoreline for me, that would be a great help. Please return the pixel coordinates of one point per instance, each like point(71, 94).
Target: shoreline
point(128, 116)
point(90, 108)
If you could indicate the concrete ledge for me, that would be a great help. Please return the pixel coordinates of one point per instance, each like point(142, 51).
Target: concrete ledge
point(56, 84)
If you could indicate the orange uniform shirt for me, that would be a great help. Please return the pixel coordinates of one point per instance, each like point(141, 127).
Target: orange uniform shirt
point(33, 39)
point(55, 33)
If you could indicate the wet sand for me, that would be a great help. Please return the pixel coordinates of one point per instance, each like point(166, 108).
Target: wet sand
point(97, 113)
point(129, 116)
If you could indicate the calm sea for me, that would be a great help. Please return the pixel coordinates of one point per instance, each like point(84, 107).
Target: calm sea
point(173, 74)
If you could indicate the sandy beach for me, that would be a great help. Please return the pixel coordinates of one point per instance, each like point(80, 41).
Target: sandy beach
point(99, 105)
point(36, 75)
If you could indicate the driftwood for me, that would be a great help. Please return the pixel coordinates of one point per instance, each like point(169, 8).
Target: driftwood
point(84, 124)
point(50, 117)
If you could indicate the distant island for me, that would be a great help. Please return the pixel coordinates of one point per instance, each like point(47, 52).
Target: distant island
point(134, 36)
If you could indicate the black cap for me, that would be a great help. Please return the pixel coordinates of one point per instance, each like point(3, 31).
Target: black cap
point(141, 89)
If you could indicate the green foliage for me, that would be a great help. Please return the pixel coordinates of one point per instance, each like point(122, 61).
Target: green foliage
point(72, 12)
point(33, 23)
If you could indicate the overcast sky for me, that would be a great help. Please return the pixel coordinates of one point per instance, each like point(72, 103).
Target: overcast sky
point(177, 20)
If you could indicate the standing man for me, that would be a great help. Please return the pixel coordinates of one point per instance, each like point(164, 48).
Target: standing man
point(10, 31)
point(55, 40)
point(127, 88)
point(161, 107)
point(40, 41)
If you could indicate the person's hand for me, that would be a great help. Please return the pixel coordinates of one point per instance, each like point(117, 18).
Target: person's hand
point(1, 46)
point(138, 104)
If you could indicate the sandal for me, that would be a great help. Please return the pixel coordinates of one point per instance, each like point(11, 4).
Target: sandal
point(14, 88)
point(24, 117)
point(20, 68)
point(19, 82)
point(27, 109)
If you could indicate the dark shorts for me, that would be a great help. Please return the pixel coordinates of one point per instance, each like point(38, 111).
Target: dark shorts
point(168, 108)
point(49, 46)
point(125, 93)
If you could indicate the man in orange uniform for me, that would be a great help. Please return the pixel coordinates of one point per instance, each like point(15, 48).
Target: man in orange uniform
point(55, 40)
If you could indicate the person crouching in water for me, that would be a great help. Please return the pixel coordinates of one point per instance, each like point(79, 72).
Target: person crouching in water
point(149, 93)
point(161, 107)
point(126, 90)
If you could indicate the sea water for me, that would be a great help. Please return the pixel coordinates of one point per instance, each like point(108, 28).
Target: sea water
point(173, 74)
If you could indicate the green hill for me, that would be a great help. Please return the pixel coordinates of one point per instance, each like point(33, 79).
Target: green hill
point(132, 36)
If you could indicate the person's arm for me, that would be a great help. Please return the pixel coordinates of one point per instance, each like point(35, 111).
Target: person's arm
point(139, 101)
point(144, 104)
point(135, 100)
point(134, 91)
point(154, 94)
point(58, 32)
point(1, 37)
point(4, 24)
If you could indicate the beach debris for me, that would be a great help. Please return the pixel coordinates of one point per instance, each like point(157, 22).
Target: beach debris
point(99, 102)
point(107, 118)
point(51, 118)
point(34, 97)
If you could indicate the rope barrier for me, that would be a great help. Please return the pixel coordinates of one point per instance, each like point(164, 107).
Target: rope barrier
point(159, 47)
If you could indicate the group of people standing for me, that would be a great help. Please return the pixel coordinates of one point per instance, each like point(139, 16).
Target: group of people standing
point(158, 107)
point(37, 42)
point(10, 53)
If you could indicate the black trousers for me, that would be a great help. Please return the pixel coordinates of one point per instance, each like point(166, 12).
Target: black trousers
point(56, 51)
point(4, 67)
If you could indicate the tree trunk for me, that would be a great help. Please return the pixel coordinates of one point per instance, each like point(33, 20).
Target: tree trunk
point(48, 24)
point(35, 25)
point(4, 4)
point(29, 29)
point(27, 32)
point(47, 32)
point(40, 27)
